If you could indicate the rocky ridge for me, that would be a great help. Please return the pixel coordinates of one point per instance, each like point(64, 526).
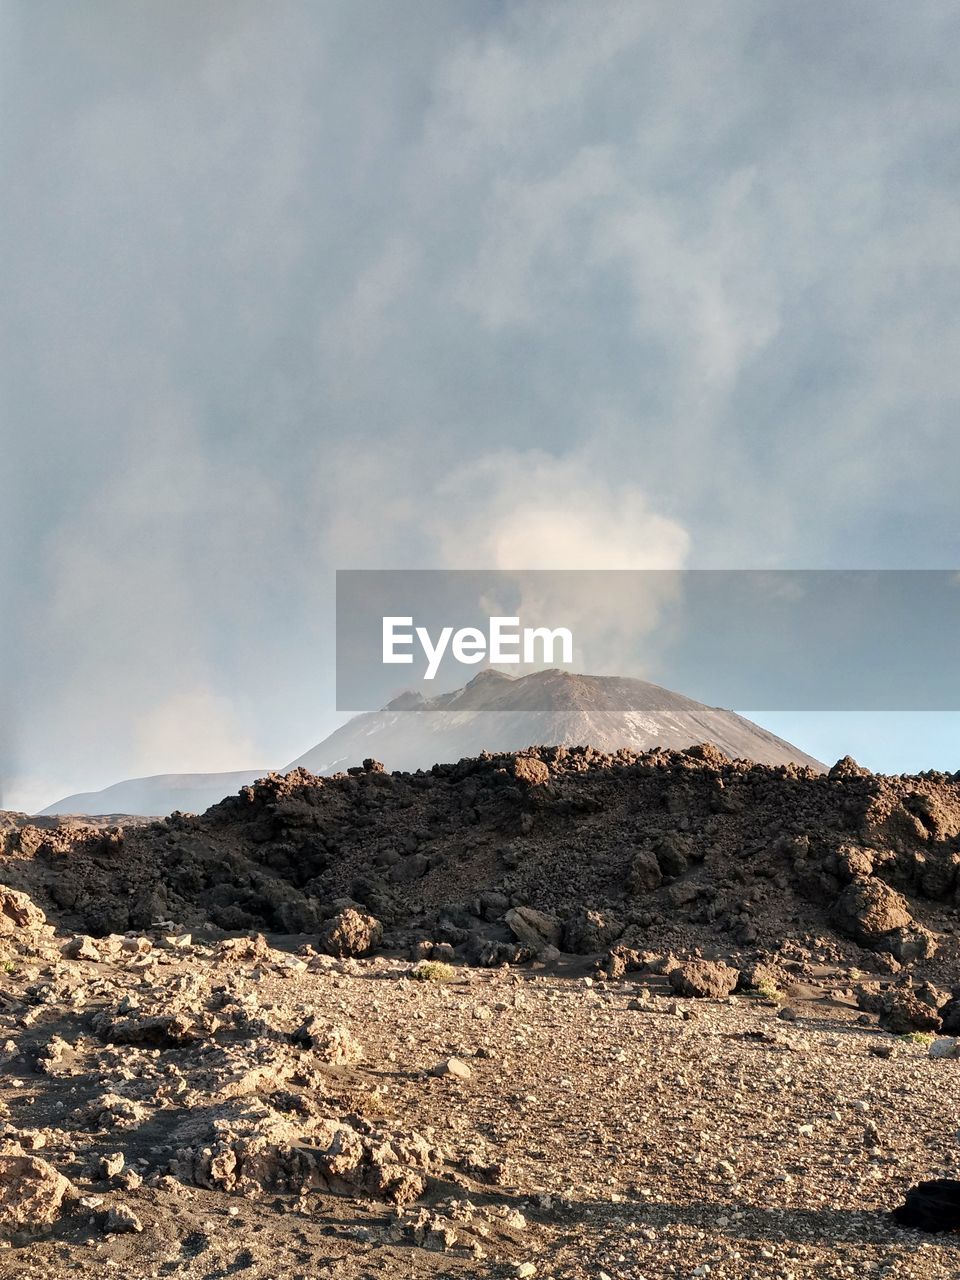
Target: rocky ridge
point(683, 847)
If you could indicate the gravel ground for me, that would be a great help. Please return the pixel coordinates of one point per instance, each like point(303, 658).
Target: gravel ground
point(543, 1123)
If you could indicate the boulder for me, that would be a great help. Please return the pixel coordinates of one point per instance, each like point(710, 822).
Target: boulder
point(868, 909)
point(944, 1047)
point(533, 929)
point(18, 911)
point(121, 1219)
point(330, 1041)
point(159, 1030)
point(81, 948)
point(909, 945)
point(950, 1016)
point(351, 933)
point(704, 979)
point(487, 953)
point(938, 876)
point(452, 1067)
point(590, 931)
point(869, 997)
point(415, 867)
point(902, 1012)
point(620, 961)
point(854, 862)
point(645, 874)
point(763, 975)
point(932, 1206)
point(530, 770)
point(32, 1192)
point(673, 854)
point(492, 905)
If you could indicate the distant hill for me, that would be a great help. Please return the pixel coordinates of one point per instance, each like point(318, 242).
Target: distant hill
point(494, 712)
point(157, 795)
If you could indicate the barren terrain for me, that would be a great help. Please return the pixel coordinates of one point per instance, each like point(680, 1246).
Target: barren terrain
point(556, 1014)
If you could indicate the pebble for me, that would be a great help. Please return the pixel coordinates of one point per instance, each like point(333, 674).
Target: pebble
point(178, 941)
point(111, 1165)
point(453, 1067)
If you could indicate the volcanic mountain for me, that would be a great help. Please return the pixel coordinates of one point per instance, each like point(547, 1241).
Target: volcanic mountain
point(494, 712)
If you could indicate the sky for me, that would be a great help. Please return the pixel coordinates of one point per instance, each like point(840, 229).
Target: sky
point(293, 287)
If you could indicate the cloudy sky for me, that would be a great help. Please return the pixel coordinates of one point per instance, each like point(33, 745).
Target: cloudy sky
point(291, 286)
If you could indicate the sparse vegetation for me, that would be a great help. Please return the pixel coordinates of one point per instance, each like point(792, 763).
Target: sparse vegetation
point(767, 991)
point(433, 971)
point(924, 1038)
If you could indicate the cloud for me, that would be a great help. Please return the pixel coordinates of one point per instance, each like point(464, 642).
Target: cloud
point(519, 511)
point(294, 287)
point(196, 730)
point(528, 510)
point(703, 285)
point(532, 230)
point(362, 325)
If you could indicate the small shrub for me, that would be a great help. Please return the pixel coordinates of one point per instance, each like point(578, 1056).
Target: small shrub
point(433, 971)
point(918, 1037)
point(767, 991)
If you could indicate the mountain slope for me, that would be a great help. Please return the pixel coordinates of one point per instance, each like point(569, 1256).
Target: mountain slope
point(495, 712)
point(157, 795)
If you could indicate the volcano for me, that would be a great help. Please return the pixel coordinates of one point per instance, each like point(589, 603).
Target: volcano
point(497, 712)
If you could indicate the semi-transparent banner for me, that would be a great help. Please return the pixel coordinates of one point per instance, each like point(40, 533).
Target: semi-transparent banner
point(785, 640)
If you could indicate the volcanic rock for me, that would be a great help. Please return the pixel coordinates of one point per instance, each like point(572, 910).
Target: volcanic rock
point(590, 931)
point(452, 1067)
point(81, 948)
point(532, 928)
point(351, 933)
point(945, 1047)
point(121, 1219)
point(18, 911)
point(704, 979)
point(645, 874)
point(869, 911)
point(902, 1012)
point(530, 770)
point(32, 1192)
point(332, 1043)
point(950, 1015)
